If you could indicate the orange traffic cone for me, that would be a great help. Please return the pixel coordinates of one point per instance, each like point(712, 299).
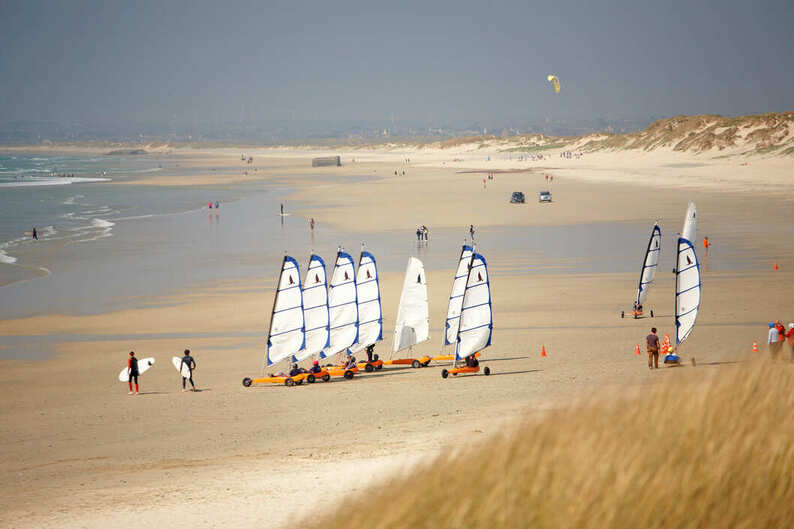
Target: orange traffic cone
point(543, 350)
point(755, 346)
point(775, 265)
point(637, 350)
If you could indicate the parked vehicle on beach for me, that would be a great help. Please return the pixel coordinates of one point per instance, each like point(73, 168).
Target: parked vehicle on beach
point(544, 196)
point(517, 198)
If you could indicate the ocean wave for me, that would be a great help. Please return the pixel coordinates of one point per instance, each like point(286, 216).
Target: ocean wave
point(101, 235)
point(53, 181)
point(71, 200)
point(99, 223)
point(7, 259)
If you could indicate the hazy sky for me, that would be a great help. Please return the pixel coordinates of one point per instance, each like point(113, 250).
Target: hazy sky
point(108, 61)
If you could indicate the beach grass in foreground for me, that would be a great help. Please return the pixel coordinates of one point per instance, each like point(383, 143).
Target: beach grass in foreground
point(709, 447)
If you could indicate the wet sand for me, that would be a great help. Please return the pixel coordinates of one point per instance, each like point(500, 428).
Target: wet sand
point(230, 456)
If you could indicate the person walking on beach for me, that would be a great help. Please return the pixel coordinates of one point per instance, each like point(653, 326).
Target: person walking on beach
point(132, 372)
point(706, 245)
point(419, 233)
point(191, 365)
point(773, 340)
point(282, 209)
point(426, 233)
point(652, 342)
point(311, 223)
point(35, 234)
point(471, 231)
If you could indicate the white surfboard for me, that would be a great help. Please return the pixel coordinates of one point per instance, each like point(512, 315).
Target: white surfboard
point(183, 369)
point(143, 366)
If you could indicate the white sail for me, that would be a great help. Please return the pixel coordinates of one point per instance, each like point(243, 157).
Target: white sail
point(315, 308)
point(690, 224)
point(370, 317)
point(456, 296)
point(687, 289)
point(342, 306)
point(286, 336)
point(649, 264)
point(476, 316)
point(413, 314)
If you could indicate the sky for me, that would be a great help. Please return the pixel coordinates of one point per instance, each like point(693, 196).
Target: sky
point(424, 61)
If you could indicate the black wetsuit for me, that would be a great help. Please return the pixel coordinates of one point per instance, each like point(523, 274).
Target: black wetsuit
point(191, 364)
point(133, 365)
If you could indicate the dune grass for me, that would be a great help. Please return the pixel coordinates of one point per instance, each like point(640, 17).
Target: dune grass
point(705, 447)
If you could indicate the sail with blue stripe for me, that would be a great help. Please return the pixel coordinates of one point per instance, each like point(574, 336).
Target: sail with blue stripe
point(456, 295)
point(476, 316)
point(687, 279)
point(315, 309)
point(342, 306)
point(649, 264)
point(286, 336)
point(370, 315)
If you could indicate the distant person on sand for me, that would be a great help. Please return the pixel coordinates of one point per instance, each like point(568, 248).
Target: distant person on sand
point(652, 342)
point(311, 223)
point(282, 209)
point(419, 233)
point(132, 370)
point(209, 205)
point(471, 231)
point(217, 205)
point(426, 233)
point(191, 365)
point(35, 234)
point(773, 340)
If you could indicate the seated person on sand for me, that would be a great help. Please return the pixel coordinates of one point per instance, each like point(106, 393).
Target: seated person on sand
point(351, 362)
point(296, 370)
point(315, 367)
point(370, 351)
point(471, 361)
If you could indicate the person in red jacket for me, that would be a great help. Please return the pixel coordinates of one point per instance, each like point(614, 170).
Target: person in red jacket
point(790, 337)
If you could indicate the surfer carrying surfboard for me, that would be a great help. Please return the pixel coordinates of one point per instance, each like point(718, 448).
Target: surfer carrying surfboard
point(132, 368)
point(187, 361)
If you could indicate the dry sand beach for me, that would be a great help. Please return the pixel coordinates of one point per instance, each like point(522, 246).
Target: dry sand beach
point(79, 452)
